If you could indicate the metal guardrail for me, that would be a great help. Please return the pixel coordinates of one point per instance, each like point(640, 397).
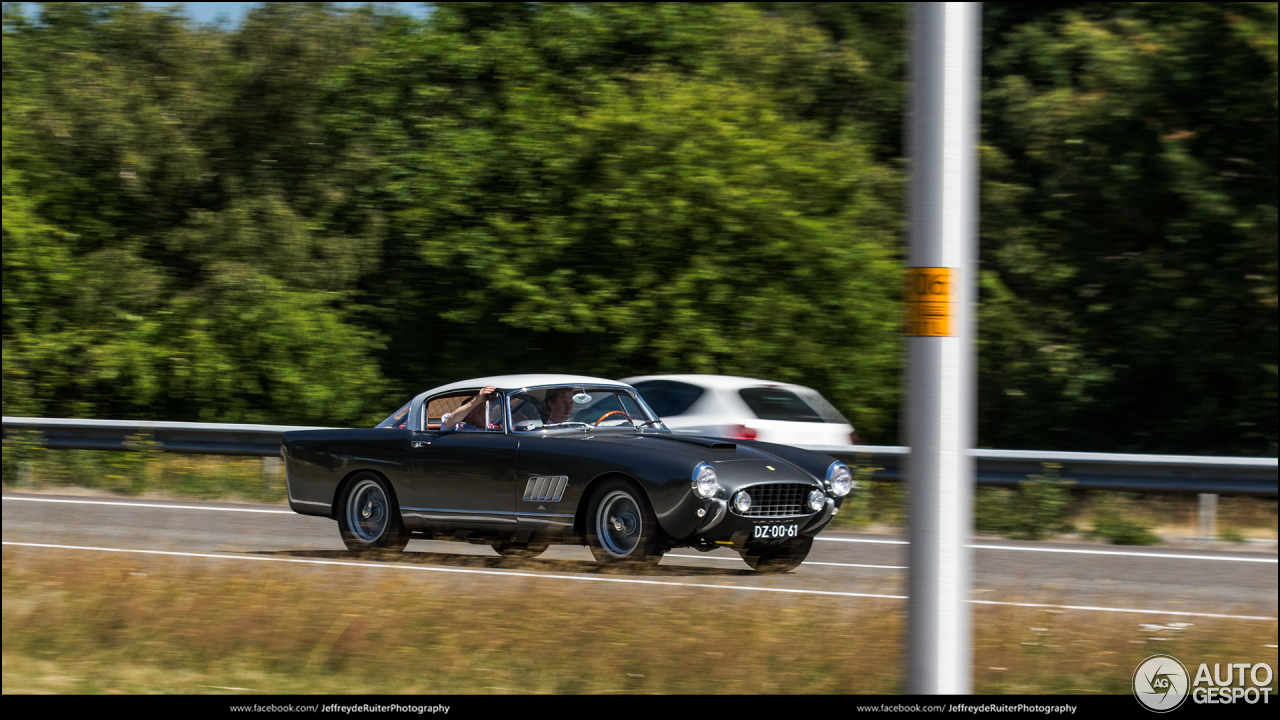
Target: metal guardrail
point(1095, 471)
point(1102, 471)
point(177, 437)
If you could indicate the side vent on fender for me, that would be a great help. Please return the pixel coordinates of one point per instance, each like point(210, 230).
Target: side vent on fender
point(545, 488)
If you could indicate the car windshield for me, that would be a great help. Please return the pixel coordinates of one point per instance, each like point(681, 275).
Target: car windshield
point(581, 407)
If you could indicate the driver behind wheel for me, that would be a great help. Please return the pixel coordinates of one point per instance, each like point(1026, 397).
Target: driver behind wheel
point(559, 405)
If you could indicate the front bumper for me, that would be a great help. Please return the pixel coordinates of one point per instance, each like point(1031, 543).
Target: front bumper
point(725, 528)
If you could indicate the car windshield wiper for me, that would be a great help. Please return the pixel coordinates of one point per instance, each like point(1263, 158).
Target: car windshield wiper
point(648, 423)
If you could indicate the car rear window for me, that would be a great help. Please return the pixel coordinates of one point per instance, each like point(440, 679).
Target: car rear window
point(778, 404)
point(667, 397)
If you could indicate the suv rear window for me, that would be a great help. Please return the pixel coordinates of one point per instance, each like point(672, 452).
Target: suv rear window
point(778, 404)
point(667, 397)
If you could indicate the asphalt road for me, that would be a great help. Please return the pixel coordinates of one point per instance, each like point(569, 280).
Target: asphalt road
point(1160, 584)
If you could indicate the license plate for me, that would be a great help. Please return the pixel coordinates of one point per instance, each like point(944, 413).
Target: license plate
point(760, 532)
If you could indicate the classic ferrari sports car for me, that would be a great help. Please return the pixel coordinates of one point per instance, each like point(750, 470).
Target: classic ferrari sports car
point(519, 462)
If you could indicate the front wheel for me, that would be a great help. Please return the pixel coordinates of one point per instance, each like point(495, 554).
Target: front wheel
point(621, 527)
point(368, 519)
point(779, 558)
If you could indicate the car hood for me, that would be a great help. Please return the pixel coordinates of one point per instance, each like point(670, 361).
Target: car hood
point(735, 464)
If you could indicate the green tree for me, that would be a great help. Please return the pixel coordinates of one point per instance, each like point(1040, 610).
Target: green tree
point(1131, 221)
point(145, 274)
point(659, 210)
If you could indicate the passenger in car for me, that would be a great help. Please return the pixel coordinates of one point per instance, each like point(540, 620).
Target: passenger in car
point(471, 412)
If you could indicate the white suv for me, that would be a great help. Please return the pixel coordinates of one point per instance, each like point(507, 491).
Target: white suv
point(744, 408)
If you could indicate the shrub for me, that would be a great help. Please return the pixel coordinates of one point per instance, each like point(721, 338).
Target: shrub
point(1037, 509)
point(1114, 519)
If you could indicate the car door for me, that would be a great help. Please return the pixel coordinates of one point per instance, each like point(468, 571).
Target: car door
point(463, 477)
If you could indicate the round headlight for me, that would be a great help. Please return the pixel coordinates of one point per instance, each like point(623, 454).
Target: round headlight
point(705, 483)
point(839, 479)
point(742, 502)
point(817, 499)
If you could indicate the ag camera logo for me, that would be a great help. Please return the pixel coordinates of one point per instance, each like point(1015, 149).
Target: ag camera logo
point(1160, 683)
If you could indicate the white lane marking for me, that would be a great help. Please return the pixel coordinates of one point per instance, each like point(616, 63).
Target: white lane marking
point(150, 505)
point(1127, 553)
point(806, 562)
point(1123, 610)
point(863, 540)
point(632, 581)
point(464, 571)
point(1073, 551)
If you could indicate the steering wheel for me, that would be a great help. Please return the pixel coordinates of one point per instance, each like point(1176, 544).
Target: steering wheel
point(612, 412)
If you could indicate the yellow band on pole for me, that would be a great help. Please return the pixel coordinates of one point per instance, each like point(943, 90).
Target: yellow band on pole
point(929, 305)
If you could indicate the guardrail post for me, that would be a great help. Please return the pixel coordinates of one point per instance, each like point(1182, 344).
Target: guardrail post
point(1208, 516)
point(26, 474)
point(271, 467)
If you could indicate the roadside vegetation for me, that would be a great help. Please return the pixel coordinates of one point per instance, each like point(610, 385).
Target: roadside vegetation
point(313, 215)
point(134, 624)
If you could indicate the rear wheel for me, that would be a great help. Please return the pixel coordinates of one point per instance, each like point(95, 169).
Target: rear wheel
point(368, 519)
point(621, 527)
point(778, 558)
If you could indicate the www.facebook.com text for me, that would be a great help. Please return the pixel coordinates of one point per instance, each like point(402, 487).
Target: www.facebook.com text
point(346, 709)
point(964, 707)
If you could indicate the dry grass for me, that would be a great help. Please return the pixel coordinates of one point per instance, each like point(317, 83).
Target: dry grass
point(89, 624)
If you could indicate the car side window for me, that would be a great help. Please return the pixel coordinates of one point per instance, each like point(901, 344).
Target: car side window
point(488, 418)
point(526, 411)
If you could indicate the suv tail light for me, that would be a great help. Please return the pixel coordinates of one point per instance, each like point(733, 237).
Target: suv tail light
point(854, 439)
point(740, 432)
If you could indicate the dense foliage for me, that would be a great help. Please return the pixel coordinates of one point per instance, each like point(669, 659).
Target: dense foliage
point(308, 217)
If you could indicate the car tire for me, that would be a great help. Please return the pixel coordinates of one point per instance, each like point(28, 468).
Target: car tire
point(779, 558)
point(369, 517)
point(622, 530)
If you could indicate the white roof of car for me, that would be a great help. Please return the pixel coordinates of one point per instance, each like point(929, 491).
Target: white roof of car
point(515, 382)
point(718, 382)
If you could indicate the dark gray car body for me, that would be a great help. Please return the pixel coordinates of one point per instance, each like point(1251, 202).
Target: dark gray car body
point(534, 487)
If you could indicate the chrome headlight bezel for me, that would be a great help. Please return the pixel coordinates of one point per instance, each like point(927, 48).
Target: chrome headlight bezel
point(839, 479)
point(742, 502)
point(817, 499)
point(705, 482)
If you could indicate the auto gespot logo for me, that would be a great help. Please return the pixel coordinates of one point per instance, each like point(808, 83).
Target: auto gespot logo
point(1161, 683)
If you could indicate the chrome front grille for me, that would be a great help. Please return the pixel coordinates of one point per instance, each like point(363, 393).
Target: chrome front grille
point(778, 500)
